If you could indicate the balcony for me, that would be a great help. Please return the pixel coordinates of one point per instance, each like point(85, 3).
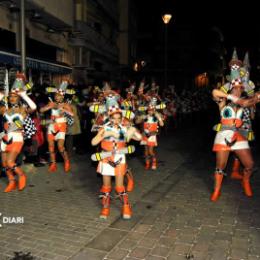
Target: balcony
point(109, 8)
point(94, 41)
point(46, 15)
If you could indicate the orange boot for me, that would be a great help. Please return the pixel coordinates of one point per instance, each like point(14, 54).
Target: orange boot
point(147, 164)
point(22, 178)
point(154, 163)
point(126, 208)
point(130, 181)
point(12, 182)
point(105, 211)
point(218, 181)
point(66, 165)
point(246, 185)
point(235, 174)
point(52, 167)
point(22, 182)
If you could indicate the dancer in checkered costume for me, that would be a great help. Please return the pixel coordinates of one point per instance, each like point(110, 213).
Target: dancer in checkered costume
point(113, 137)
point(58, 126)
point(231, 135)
point(152, 120)
point(15, 123)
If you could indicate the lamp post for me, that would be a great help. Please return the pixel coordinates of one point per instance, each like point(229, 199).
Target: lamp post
point(22, 35)
point(166, 19)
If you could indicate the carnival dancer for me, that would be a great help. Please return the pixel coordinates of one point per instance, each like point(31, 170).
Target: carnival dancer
point(60, 113)
point(14, 116)
point(230, 136)
point(101, 110)
point(153, 92)
point(129, 103)
point(152, 120)
point(113, 137)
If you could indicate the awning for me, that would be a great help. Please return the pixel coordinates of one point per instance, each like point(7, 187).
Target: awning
point(35, 64)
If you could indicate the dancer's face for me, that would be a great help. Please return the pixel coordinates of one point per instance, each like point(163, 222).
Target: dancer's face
point(58, 97)
point(237, 90)
point(129, 95)
point(13, 98)
point(116, 118)
point(150, 111)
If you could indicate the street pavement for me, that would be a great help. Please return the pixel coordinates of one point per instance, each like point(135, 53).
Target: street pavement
point(173, 217)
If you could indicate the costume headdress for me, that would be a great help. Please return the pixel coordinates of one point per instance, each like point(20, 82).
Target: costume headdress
point(244, 74)
point(131, 88)
point(61, 89)
point(235, 62)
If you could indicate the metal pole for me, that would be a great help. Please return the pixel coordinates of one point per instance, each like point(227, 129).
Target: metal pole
point(22, 35)
point(165, 56)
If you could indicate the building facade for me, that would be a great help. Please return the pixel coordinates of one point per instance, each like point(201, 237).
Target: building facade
point(95, 40)
point(47, 29)
point(103, 39)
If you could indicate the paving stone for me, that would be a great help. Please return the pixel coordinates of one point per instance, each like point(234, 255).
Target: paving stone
point(223, 236)
point(185, 239)
point(126, 225)
point(160, 251)
point(153, 234)
point(118, 254)
point(203, 246)
point(175, 256)
point(166, 241)
point(135, 236)
point(89, 253)
point(128, 244)
point(182, 248)
point(254, 250)
point(153, 257)
point(218, 254)
point(147, 242)
point(239, 253)
point(140, 252)
point(107, 239)
point(142, 228)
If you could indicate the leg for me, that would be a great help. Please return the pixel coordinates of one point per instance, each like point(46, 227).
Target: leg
point(120, 189)
point(51, 146)
point(64, 155)
point(130, 180)
point(221, 162)
point(147, 158)
point(11, 158)
point(153, 156)
point(246, 159)
point(105, 195)
point(235, 174)
point(12, 182)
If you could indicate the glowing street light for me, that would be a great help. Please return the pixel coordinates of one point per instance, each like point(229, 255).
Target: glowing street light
point(166, 19)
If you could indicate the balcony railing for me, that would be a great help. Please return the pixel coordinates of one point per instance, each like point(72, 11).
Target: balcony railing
point(110, 7)
point(99, 43)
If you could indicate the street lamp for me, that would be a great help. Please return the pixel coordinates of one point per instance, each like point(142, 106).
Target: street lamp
point(22, 36)
point(166, 19)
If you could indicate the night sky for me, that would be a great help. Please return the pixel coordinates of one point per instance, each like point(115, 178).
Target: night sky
point(238, 24)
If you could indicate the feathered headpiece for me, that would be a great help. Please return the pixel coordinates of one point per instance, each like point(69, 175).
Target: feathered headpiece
point(61, 89)
point(131, 88)
point(20, 84)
